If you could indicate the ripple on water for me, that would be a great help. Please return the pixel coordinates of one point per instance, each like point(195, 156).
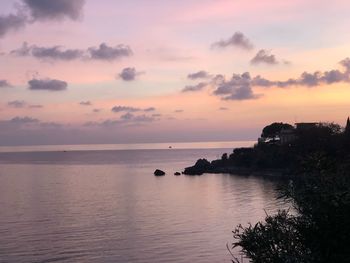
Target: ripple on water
point(114, 209)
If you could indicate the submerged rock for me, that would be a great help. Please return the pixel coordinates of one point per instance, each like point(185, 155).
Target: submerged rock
point(159, 172)
point(177, 173)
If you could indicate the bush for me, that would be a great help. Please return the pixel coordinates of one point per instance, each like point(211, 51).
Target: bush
point(320, 230)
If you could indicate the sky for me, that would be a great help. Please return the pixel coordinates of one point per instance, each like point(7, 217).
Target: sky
point(138, 71)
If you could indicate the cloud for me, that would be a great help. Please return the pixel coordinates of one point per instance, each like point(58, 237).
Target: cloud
point(96, 110)
point(129, 74)
point(125, 109)
point(178, 111)
point(309, 79)
point(31, 131)
point(237, 88)
point(264, 56)
point(4, 84)
point(50, 125)
point(128, 109)
point(242, 93)
point(12, 125)
point(197, 87)
point(198, 75)
point(125, 119)
point(34, 10)
point(24, 50)
point(17, 104)
point(22, 104)
point(12, 22)
point(142, 118)
point(23, 120)
point(334, 76)
point(240, 87)
point(346, 64)
point(51, 53)
point(19, 127)
point(56, 53)
point(237, 40)
point(26, 130)
point(127, 116)
point(105, 52)
point(262, 82)
point(85, 103)
point(57, 9)
point(149, 109)
point(35, 106)
point(47, 84)
point(223, 109)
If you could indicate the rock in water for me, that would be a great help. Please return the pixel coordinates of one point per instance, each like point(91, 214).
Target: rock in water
point(177, 174)
point(201, 166)
point(159, 172)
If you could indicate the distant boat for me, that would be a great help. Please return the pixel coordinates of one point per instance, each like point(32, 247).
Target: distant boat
point(170, 147)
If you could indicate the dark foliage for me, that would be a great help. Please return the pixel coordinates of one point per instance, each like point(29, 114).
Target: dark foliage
point(273, 130)
point(277, 240)
point(318, 230)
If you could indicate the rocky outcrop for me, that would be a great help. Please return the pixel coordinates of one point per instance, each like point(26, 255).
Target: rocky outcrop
point(201, 166)
point(159, 172)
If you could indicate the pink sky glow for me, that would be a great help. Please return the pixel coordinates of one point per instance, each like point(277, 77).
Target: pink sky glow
point(156, 71)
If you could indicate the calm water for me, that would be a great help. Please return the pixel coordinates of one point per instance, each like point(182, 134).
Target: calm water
point(106, 206)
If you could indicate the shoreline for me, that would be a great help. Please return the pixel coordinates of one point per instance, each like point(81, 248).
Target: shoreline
point(266, 173)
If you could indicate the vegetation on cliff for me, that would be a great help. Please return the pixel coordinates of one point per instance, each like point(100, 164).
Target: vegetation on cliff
point(316, 156)
point(280, 149)
point(318, 230)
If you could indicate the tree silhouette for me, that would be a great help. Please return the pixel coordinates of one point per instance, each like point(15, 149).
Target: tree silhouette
point(273, 130)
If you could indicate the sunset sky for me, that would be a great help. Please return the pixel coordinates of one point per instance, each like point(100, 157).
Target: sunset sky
point(110, 71)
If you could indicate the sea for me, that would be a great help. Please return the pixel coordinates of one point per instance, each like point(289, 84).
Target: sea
point(102, 203)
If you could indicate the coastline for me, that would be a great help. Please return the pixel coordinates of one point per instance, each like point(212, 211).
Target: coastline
point(232, 170)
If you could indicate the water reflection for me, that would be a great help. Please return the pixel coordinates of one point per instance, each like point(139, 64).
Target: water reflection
point(117, 211)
